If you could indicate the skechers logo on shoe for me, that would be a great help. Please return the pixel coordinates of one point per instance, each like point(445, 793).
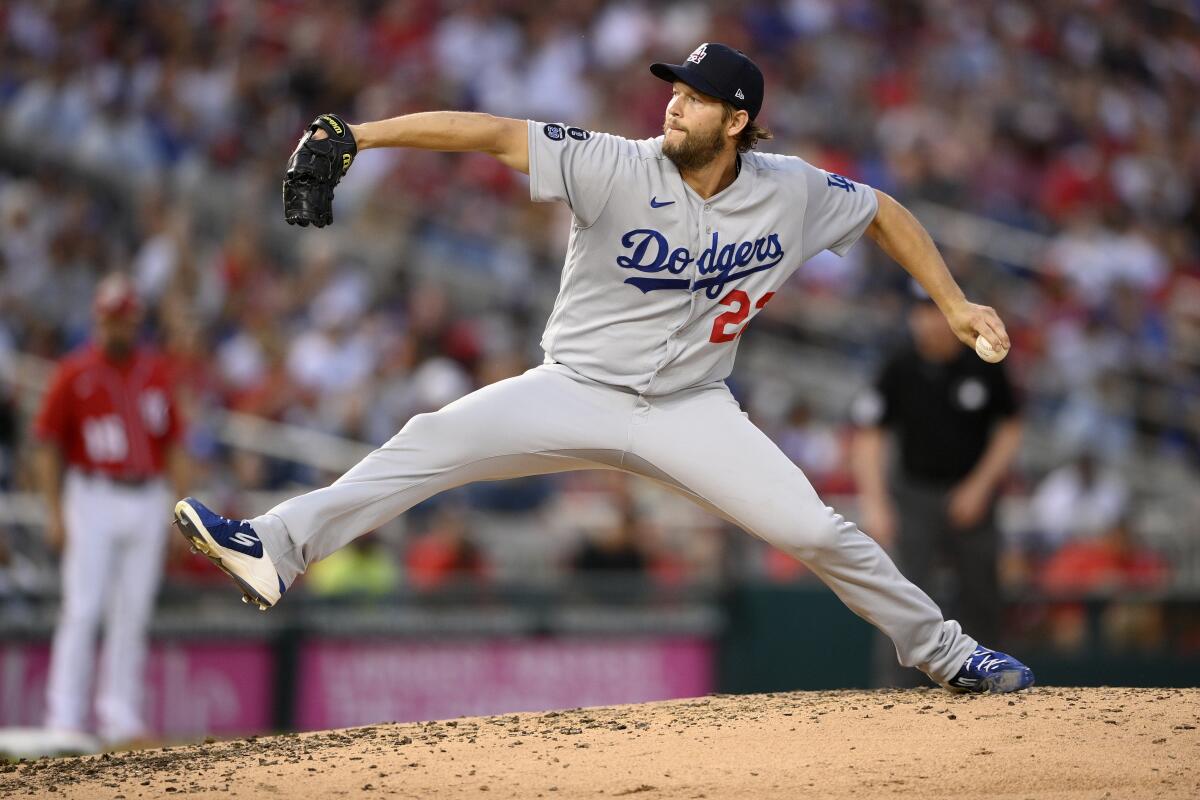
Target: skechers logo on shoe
point(244, 539)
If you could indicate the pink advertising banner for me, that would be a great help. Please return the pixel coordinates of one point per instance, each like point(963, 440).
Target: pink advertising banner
point(192, 688)
point(343, 683)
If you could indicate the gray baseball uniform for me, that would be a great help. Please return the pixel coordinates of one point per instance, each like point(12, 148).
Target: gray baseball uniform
point(658, 285)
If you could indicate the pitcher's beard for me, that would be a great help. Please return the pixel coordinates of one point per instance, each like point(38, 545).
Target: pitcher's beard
point(696, 151)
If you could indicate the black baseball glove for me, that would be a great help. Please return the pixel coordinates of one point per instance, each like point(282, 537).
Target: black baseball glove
point(314, 169)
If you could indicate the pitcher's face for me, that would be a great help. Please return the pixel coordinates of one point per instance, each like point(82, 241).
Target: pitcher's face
point(694, 129)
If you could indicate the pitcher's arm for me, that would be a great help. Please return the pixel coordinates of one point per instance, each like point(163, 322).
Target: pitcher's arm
point(451, 131)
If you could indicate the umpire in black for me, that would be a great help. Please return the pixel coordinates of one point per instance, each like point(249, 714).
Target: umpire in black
point(935, 437)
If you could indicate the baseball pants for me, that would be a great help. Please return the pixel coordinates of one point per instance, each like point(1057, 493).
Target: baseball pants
point(111, 568)
point(697, 442)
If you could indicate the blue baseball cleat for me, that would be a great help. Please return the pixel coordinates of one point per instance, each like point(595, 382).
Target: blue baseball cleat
point(990, 671)
point(234, 547)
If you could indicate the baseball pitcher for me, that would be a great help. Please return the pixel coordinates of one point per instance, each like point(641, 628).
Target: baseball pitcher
point(676, 243)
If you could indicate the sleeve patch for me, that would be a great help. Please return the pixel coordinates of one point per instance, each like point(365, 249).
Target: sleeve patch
point(839, 182)
point(554, 131)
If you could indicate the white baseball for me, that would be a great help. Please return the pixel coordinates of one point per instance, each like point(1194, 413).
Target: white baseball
point(984, 349)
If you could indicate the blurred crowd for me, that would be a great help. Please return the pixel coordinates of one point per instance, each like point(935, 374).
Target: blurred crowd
point(150, 136)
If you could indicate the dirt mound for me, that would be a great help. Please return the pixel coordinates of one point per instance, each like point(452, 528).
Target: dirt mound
point(1044, 743)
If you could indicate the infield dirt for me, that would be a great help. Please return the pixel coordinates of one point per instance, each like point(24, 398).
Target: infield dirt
point(925, 743)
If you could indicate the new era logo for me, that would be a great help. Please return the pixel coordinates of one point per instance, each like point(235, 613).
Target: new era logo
point(738, 94)
point(698, 54)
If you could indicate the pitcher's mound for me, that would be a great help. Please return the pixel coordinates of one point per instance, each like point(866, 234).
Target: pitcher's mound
point(1043, 743)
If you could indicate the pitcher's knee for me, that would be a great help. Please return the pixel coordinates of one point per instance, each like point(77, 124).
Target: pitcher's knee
point(806, 537)
point(420, 424)
point(438, 440)
point(432, 426)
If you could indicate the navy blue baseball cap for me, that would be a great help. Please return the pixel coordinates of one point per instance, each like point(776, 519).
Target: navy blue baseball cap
point(718, 70)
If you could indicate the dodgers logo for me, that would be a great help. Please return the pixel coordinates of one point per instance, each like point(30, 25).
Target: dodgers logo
point(839, 182)
point(648, 250)
point(698, 54)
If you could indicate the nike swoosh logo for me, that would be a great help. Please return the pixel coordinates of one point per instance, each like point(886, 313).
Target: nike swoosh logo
point(655, 204)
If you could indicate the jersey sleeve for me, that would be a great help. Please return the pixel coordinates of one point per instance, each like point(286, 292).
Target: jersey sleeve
point(575, 166)
point(53, 421)
point(837, 212)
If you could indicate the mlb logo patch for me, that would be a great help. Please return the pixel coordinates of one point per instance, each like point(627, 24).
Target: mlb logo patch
point(698, 54)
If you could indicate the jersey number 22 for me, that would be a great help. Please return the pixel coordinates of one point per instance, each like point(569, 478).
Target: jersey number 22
point(736, 317)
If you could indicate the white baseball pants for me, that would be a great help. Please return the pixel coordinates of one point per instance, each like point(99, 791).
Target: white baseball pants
point(111, 568)
point(697, 442)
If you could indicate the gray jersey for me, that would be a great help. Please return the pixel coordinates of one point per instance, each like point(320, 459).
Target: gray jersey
point(657, 287)
point(659, 283)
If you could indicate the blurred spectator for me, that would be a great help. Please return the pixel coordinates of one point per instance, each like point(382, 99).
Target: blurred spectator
point(444, 552)
point(365, 567)
point(1110, 563)
point(1081, 500)
point(6, 560)
point(612, 562)
point(1107, 569)
point(24, 572)
point(8, 438)
point(618, 548)
point(814, 446)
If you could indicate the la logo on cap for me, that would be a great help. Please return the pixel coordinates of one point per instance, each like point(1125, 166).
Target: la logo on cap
point(698, 54)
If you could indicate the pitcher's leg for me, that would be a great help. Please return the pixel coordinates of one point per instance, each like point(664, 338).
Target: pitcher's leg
point(703, 441)
point(543, 421)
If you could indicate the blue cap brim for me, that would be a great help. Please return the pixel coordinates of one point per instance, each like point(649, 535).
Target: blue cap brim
point(680, 72)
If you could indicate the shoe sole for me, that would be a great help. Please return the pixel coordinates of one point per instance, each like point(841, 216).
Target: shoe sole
point(204, 544)
point(1008, 681)
point(1012, 680)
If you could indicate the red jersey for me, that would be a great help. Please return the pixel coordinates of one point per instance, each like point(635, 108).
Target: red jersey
point(117, 418)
